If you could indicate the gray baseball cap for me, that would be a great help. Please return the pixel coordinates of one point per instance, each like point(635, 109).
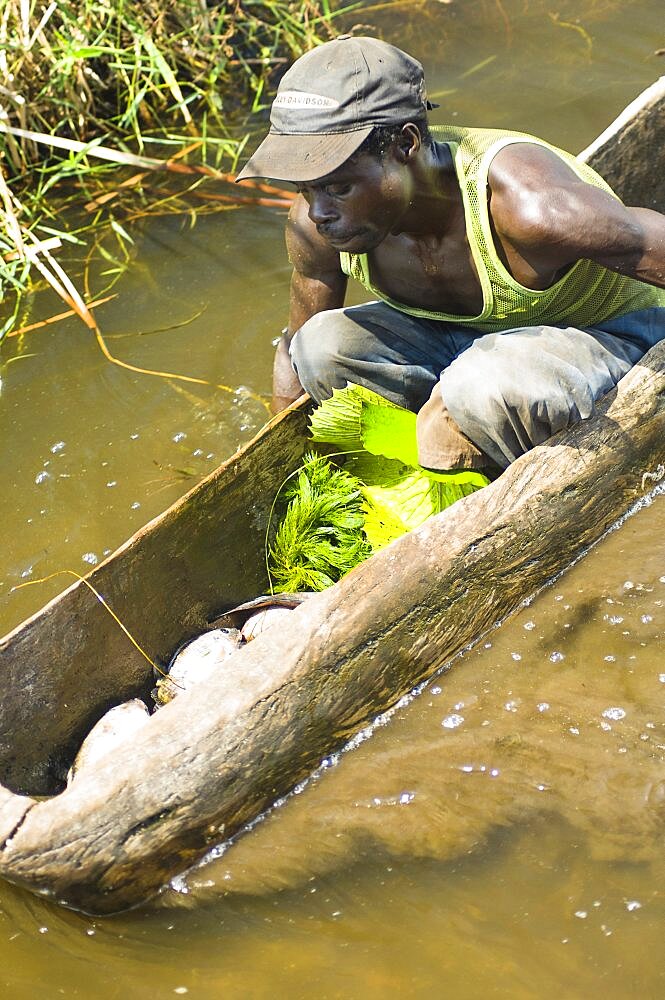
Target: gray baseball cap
point(329, 101)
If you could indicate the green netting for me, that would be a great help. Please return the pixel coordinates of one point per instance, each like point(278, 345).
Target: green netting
point(587, 294)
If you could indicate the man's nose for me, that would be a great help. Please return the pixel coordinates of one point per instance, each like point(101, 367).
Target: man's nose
point(321, 210)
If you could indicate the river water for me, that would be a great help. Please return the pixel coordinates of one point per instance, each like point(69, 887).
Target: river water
point(500, 834)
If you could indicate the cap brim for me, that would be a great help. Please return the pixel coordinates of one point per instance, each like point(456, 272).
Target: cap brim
point(302, 157)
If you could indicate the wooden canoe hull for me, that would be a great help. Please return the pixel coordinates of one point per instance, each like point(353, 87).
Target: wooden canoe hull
point(629, 153)
point(213, 759)
point(202, 555)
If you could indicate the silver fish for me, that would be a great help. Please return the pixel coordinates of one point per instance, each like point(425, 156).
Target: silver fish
point(263, 619)
point(118, 725)
point(195, 662)
point(235, 617)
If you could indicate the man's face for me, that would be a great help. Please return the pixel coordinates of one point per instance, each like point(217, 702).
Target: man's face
point(359, 204)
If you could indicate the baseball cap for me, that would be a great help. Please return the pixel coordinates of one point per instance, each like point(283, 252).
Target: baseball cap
point(329, 101)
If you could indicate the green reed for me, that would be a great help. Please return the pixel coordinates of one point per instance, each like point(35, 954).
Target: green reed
point(163, 79)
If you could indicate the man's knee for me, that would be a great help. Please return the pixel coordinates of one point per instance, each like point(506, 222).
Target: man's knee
point(319, 338)
point(521, 373)
point(508, 393)
point(316, 350)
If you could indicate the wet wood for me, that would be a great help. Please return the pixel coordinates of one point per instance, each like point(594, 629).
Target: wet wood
point(629, 153)
point(68, 664)
point(216, 757)
point(12, 812)
point(531, 738)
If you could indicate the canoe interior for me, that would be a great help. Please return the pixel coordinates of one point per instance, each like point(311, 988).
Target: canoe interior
point(629, 153)
point(64, 667)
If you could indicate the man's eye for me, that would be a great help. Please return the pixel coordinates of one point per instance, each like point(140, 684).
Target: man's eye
point(338, 190)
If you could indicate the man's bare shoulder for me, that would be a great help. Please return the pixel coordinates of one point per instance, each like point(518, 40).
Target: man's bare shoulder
point(536, 197)
point(546, 215)
point(309, 253)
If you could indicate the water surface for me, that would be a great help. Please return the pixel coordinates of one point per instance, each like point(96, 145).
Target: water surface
point(502, 834)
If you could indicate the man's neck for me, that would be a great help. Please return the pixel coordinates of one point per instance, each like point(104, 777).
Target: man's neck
point(436, 205)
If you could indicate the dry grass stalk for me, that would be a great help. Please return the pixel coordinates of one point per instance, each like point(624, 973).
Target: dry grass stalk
point(87, 85)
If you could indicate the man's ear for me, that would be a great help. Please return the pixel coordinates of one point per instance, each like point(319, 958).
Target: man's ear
point(408, 142)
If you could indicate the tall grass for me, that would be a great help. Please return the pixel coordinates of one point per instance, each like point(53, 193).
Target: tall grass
point(90, 68)
point(87, 86)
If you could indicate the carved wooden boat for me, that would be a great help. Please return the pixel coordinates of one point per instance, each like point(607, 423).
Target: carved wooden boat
point(216, 757)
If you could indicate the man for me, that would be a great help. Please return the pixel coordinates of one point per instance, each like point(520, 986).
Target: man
point(512, 288)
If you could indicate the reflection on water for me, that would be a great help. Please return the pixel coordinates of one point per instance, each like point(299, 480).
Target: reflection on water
point(561, 71)
point(502, 834)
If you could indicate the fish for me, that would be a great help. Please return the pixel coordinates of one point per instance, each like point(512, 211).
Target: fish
point(191, 664)
point(195, 662)
point(263, 619)
point(237, 616)
point(116, 727)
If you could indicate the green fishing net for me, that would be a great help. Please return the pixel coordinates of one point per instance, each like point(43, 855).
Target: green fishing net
point(345, 506)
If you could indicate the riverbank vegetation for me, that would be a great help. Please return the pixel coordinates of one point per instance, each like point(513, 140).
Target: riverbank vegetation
point(164, 90)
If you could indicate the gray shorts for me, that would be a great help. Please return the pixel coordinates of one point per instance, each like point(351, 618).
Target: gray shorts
point(506, 391)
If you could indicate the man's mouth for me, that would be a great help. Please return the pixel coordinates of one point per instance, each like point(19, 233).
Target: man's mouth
point(337, 239)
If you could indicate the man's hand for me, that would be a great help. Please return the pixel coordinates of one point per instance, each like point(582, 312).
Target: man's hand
point(286, 386)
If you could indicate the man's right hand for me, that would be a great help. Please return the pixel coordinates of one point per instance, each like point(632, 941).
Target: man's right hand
point(286, 386)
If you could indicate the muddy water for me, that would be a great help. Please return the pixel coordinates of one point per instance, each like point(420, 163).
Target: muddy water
point(92, 451)
point(502, 833)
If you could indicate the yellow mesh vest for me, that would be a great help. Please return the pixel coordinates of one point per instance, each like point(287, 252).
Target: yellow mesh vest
point(584, 297)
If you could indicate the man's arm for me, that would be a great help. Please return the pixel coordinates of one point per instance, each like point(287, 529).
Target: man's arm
point(317, 283)
point(546, 218)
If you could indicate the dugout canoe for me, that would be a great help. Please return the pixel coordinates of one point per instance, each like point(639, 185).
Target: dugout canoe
point(218, 756)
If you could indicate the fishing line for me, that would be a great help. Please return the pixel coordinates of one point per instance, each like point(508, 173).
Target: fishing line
point(181, 378)
point(149, 371)
point(158, 329)
point(82, 579)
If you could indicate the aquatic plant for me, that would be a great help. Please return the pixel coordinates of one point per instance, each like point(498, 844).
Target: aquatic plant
point(87, 69)
point(344, 507)
point(321, 536)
